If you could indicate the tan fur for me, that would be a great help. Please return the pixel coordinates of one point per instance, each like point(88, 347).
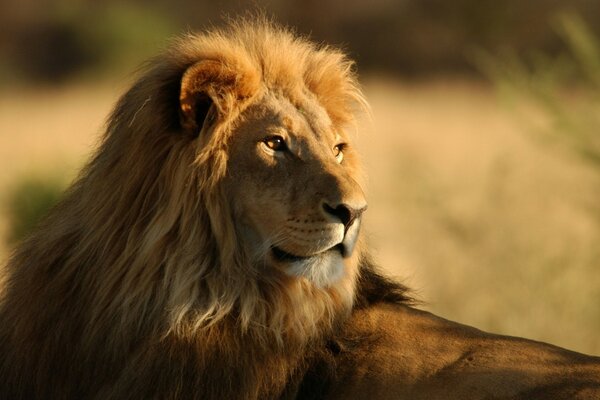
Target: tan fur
point(144, 273)
point(192, 260)
point(392, 352)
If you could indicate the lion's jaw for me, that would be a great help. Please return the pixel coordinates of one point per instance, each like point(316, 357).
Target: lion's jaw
point(299, 206)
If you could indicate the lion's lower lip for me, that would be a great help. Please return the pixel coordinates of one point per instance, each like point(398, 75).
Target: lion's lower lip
point(281, 255)
point(284, 256)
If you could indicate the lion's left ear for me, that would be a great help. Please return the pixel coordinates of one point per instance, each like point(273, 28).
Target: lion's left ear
point(211, 87)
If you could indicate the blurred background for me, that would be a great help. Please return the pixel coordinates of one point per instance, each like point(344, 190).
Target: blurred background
point(483, 152)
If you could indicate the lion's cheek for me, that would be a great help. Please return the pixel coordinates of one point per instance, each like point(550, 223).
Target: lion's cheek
point(255, 206)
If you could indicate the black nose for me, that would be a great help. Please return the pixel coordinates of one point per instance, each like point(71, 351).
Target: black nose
point(344, 213)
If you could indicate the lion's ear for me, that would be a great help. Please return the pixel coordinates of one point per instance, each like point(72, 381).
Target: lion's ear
point(209, 87)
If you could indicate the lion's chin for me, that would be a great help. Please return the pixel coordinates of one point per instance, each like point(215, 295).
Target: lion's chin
point(322, 270)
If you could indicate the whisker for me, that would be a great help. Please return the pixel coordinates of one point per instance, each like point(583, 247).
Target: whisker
point(277, 239)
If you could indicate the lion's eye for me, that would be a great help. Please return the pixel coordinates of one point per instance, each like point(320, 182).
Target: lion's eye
point(338, 152)
point(275, 143)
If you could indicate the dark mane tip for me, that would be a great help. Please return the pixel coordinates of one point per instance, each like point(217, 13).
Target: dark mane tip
point(373, 287)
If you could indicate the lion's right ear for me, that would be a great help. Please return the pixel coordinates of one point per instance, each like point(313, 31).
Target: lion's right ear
point(210, 90)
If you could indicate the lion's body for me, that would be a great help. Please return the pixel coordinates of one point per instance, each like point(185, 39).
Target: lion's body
point(211, 248)
point(410, 354)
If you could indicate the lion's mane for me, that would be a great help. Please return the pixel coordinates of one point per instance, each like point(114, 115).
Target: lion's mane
point(136, 283)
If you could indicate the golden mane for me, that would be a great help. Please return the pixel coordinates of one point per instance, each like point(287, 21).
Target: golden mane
point(144, 244)
point(260, 54)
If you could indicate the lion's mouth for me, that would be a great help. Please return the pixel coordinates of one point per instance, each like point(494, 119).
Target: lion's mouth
point(283, 256)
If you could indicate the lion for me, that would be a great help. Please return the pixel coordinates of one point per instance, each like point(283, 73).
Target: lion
point(212, 249)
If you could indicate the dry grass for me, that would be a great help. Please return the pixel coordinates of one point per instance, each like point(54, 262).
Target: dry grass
point(493, 229)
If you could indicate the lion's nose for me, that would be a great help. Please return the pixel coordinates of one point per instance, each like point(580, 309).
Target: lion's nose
point(344, 212)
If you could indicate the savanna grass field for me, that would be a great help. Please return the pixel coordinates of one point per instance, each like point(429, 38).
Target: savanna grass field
point(483, 191)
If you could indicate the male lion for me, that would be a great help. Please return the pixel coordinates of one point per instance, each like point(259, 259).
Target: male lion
point(211, 250)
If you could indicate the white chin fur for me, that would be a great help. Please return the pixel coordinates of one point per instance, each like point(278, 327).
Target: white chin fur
point(322, 270)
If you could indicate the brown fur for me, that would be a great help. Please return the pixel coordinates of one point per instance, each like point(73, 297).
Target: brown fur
point(155, 277)
point(140, 282)
point(391, 351)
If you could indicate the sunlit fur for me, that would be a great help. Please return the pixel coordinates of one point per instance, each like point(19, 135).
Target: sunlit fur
point(138, 273)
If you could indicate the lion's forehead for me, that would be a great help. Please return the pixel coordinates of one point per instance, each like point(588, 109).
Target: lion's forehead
point(298, 113)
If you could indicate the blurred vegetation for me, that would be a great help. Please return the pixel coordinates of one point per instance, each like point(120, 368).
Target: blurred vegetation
point(81, 38)
point(564, 88)
point(53, 40)
point(29, 201)
point(555, 98)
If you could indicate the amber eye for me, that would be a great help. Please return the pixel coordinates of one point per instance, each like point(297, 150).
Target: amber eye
point(275, 143)
point(338, 151)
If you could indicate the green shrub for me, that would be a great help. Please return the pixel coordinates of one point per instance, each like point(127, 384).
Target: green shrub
point(565, 89)
point(28, 202)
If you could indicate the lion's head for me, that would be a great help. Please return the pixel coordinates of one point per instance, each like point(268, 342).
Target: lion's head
point(291, 184)
point(265, 118)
